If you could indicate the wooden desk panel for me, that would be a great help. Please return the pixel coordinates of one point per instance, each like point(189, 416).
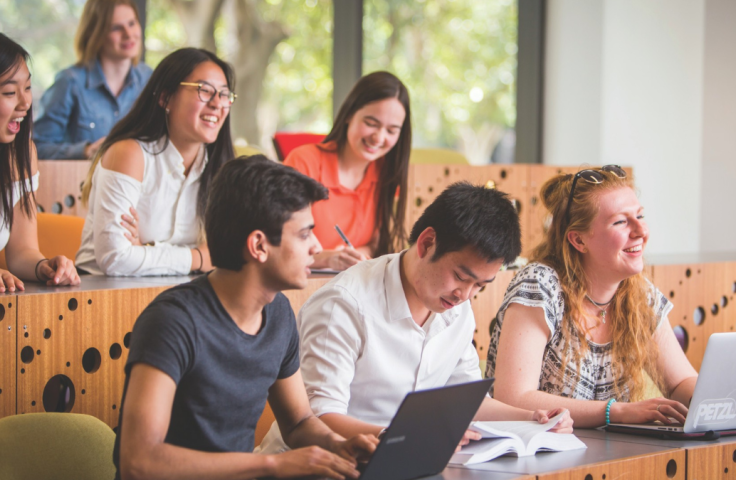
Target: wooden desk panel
point(485, 305)
point(7, 354)
point(712, 461)
point(97, 327)
point(60, 186)
point(666, 465)
point(81, 335)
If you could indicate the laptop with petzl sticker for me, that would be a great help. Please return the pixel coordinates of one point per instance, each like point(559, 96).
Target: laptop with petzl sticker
point(712, 410)
point(425, 431)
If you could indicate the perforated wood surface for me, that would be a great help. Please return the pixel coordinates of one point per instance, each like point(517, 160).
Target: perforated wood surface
point(667, 465)
point(485, 306)
point(703, 299)
point(60, 186)
point(7, 354)
point(82, 337)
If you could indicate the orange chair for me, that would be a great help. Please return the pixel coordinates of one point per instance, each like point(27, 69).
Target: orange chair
point(264, 424)
point(57, 235)
point(285, 142)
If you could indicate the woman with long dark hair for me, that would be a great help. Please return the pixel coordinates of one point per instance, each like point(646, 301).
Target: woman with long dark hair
point(147, 187)
point(364, 163)
point(88, 98)
point(19, 179)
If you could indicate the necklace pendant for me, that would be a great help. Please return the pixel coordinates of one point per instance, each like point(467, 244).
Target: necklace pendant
point(602, 314)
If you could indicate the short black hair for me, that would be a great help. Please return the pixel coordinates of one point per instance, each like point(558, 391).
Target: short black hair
point(253, 193)
point(468, 215)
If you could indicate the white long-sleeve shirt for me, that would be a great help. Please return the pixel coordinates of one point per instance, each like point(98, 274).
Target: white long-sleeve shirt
point(31, 185)
point(361, 351)
point(166, 201)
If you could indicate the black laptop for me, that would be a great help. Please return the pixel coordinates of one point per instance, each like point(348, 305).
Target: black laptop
point(425, 431)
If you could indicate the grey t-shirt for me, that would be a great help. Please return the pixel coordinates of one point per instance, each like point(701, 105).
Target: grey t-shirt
point(222, 374)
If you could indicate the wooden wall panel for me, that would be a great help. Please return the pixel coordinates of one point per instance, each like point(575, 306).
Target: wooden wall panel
point(670, 464)
point(60, 186)
point(712, 461)
point(58, 330)
point(485, 306)
point(8, 339)
point(702, 295)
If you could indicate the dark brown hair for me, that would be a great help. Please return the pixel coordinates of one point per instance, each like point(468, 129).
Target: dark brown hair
point(15, 157)
point(390, 213)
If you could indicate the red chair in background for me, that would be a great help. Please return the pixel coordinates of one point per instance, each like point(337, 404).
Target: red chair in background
point(285, 142)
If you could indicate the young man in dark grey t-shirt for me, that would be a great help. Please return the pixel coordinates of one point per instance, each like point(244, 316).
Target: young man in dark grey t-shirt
point(205, 356)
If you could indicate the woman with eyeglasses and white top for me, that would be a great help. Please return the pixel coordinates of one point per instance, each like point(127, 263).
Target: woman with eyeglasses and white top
point(580, 327)
point(147, 187)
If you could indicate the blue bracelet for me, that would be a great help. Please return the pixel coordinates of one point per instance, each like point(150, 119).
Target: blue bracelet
point(608, 410)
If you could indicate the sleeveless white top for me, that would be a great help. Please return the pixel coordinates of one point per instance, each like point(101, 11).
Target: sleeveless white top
point(166, 201)
point(31, 185)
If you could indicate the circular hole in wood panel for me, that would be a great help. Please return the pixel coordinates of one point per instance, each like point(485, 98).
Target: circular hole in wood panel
point(534, 200)
point(38, 352)
point(447, 172)
point(126, 340)
point(724, 301)
point(69, 201)
point(91, 360)
point(89, 302)
point(671, 468)
point(47, 333)
point(26, 355)
point(61, 317)
point(682, 337)
point(733, 456)
point(22, 370)
point(699, 316)
point(604, 476)
point(2, 311)
point(73, 304)
point(688, 272)
point(56, 207)
point(714, 309)
point(733, 287)
point(68, 364)
point(39, 208)
point(114, 407)
point(25, 334)
point(58, 394)
point(474, 344)
point(33, 404)
point(589, 477)
point(504, 174)
point(84, 391)
point(517, 205)
point(672, 294)
point(418, 202)
point(115, 351)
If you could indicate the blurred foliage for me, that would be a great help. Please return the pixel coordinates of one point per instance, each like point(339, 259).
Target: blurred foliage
point(456, 57)
point(46, 29)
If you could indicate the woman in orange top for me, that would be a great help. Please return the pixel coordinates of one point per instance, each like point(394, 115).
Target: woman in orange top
point(364, 163)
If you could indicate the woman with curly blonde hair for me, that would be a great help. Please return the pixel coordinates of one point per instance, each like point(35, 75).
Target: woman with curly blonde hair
point(580, 326)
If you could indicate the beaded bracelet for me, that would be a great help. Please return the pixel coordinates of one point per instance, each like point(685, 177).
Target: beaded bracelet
point(608, 410)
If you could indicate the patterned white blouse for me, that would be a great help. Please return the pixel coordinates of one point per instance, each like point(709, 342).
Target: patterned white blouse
point(538, 285)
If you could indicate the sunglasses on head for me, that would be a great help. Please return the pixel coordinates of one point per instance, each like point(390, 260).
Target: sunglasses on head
point(594, 177)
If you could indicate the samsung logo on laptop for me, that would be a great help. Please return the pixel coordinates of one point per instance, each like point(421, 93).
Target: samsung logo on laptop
point(400, 439)
point(715, 411)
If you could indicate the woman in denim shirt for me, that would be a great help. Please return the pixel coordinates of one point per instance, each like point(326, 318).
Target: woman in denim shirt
point(87, 99)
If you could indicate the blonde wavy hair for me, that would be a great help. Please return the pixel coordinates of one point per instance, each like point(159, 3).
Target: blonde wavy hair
point(631, 316)
point(94, 26)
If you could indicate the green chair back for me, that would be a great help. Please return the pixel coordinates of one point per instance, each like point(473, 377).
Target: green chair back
point(59, 446)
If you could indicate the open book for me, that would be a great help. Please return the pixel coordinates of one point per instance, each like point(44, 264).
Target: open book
point(516, 438)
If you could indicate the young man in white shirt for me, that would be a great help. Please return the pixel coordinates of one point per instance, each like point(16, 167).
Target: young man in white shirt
point(205, 356)
point(402, 322)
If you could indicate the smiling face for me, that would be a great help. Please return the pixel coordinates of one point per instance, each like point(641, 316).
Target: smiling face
point(190, 119)
point(288, 264)
point(123, 41)
point(613, 248)
point(374, 129)
point(453, 278)
point(15, 100)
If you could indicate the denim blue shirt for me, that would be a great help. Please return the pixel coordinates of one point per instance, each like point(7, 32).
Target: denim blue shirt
point(79, 108)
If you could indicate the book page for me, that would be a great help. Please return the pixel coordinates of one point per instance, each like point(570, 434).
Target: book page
point(554, 442)
point(479, 451)
point(522, 430)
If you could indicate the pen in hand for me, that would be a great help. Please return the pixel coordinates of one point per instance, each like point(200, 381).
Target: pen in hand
point(342, 235)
